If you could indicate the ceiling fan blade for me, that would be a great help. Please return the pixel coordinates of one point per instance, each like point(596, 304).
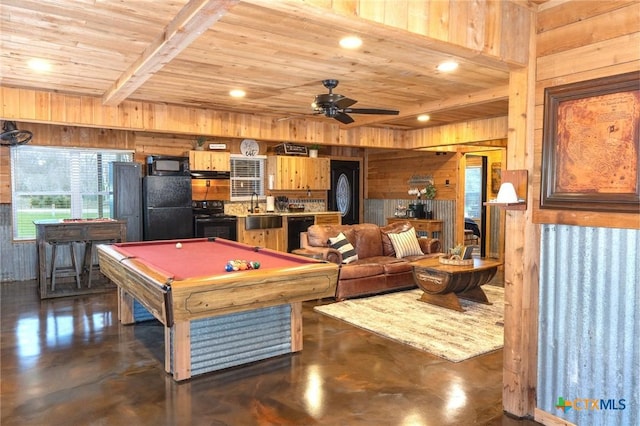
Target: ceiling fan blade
point(344, 103)
point(372, 111)
point(343, 118)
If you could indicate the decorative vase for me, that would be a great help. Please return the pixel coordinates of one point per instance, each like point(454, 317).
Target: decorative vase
point(199, 148)
point(313, 153)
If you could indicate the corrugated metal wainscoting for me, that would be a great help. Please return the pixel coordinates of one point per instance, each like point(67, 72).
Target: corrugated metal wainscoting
point(140, 313)
point(18, 261)
point(589, 327)
point(239, 338)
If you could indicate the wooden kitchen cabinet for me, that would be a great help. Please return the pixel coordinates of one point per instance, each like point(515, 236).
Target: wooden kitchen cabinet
point(299, 173)
point(269, 238)
point(210, 160)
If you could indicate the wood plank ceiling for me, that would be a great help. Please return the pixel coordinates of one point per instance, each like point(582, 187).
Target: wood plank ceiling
point(193, 53)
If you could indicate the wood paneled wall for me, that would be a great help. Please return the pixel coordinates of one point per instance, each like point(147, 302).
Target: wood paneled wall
point(86, 111)
point(388, 173)
point(580, 41)
point(576, 41)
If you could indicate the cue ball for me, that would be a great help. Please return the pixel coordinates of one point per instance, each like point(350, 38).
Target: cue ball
point(178, 245)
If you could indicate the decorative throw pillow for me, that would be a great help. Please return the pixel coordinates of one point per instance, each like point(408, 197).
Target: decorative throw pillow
point(405, 244)
point(343, 245)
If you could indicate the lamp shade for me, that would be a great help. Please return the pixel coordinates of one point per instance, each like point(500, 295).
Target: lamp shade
point(507, 193)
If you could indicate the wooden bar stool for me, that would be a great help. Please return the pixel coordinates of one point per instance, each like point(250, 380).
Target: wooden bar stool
point(66, 270)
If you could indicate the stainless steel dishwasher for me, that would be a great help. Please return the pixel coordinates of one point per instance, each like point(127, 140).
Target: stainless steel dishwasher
point(296, 225)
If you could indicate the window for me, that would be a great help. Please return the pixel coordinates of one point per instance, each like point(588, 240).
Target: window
point(473, 192)
point(247, 177)
point(56, 183)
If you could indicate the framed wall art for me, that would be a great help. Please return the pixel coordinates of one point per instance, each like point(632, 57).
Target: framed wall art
point(590, 147)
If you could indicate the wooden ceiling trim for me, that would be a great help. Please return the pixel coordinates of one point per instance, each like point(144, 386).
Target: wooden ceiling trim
point(476, 98)
point(457, 133)
point(195, 18)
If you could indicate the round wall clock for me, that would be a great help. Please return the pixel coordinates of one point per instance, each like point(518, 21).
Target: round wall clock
point(249, 148)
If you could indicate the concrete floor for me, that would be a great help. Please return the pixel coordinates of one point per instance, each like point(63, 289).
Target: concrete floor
point(68, 361)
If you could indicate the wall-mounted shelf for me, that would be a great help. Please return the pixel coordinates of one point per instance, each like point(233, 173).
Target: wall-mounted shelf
point(519, 179)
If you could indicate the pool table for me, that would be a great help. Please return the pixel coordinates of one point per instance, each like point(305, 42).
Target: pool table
point(215, 319)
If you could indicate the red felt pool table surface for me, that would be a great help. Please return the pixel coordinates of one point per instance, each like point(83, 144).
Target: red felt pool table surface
point(202, 257)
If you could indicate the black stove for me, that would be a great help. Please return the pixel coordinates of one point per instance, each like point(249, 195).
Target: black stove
point(209, 220)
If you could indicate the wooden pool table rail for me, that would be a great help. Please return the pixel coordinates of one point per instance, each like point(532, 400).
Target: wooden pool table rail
point(217, 294)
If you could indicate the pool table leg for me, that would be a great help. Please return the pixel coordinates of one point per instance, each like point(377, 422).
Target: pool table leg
point(296, 326)
point(125, 307)
point(179, 351)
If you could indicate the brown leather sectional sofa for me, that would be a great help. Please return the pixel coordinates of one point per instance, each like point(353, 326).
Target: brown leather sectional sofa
point(377, 269)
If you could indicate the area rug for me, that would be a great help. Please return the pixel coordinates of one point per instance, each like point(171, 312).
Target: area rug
point(455, 336)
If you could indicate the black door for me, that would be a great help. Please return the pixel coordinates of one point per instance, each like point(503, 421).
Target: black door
point(344, 195)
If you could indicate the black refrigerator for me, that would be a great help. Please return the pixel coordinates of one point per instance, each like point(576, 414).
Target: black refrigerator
point(167, 207)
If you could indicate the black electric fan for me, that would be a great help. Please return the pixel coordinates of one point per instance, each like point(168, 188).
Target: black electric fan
point(11, 136)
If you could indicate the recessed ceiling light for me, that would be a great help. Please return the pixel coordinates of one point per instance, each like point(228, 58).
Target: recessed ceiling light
point(39, 65)
point(423, 117)
point(448, 66)
point(237, 93)
point(351, 42)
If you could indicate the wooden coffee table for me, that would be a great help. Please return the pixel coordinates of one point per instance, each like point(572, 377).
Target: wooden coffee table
point(444, 284)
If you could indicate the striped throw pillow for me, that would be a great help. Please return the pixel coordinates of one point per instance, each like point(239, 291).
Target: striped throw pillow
point(405, 243)
point(343, 245)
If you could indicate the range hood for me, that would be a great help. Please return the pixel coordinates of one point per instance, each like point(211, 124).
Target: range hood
point(210, 174)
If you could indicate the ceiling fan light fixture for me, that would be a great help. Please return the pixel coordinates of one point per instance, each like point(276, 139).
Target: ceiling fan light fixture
point(350, 42)
point(448, 66)
point(237, 93)
point(424, 117)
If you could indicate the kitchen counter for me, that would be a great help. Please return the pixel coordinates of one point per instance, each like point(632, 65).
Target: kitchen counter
point(278, 238)
point(287, 213)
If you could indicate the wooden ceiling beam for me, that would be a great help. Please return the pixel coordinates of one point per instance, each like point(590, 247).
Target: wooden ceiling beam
point(476, 98)
point(195, 18)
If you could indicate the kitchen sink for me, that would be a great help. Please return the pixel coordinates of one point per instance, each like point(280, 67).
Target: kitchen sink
point(263, 221)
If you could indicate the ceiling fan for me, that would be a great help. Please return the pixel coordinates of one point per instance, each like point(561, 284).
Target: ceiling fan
point(12, 136)
point(336, 106)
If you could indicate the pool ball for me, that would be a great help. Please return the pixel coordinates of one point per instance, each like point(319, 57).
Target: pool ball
point(178, 245)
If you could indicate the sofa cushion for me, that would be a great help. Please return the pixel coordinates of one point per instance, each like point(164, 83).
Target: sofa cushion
point(318, 235)
point(392, 265)
point(360, 269)
point(405, 244)
point(397, 268)
point(368, 242)
point(343, 245)
point(392, 228)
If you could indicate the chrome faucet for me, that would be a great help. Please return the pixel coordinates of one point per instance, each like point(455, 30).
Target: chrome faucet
point(253, 209)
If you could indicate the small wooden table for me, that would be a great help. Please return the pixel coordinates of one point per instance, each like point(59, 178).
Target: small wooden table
point(443, 284)
point(86, 232)
point(429, 226)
